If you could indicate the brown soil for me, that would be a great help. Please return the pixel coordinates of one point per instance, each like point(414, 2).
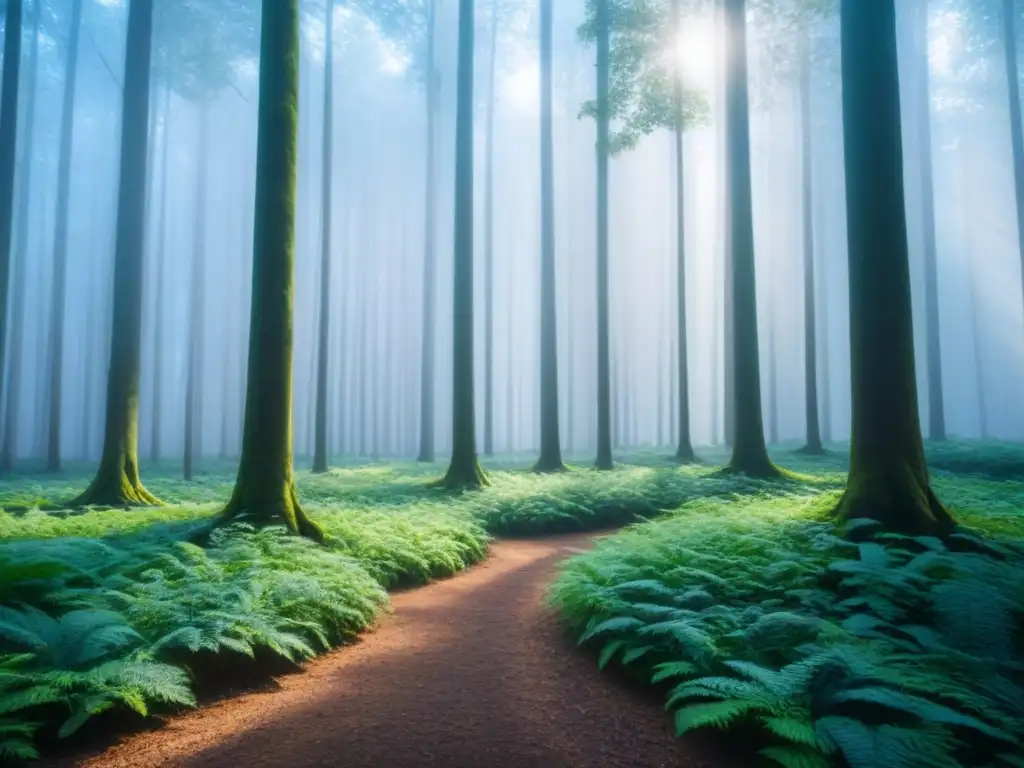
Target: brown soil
point(473, 672)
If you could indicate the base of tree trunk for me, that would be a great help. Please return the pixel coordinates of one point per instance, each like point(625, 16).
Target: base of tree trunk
point(261, 513)
point(812, 449)
point(116, 485)
point(604, 463)
point(549, 465)
point(685, 455)
point(320, 468)
point(901, 503)
point(463, 476)
point(425, 458)
point(760, 467)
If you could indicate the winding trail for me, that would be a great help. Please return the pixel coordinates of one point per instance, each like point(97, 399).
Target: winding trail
point(471, 672)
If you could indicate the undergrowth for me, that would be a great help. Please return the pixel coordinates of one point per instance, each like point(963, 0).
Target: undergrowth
point(113, 609)
point(755, 615)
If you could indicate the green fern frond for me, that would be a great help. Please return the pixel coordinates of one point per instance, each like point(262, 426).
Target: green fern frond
point(795, 757)
point(713, 714)
point(615, 624)
point(671, 669)
point(608, 653)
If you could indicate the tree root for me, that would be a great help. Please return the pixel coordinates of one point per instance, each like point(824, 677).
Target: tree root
point(901, 503)
point(122, 491)
point(549, 466)
point(463, 476)
point(262, 513)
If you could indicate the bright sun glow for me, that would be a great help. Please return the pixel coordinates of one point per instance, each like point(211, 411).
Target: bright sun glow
point(946, 40)
point(694, 50)
point(522, 87)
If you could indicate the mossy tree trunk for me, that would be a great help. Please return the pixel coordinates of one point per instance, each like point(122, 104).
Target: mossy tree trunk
point(604, 400)
point(888, 476)
point(320, 459)
point(197, 305)
point(60, 247)
point(156, 435)
point(265, 490)
point(550, 441)
point(684, 451)
point(117, 482)
point(1009, 29)
point(464, 470)
point(489, 238)
point(936, 398)
point(8, 147)
point(749, 453)
point(426, 452)
point(813, 445)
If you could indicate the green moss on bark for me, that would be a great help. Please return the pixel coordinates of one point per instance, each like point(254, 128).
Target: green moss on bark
point(117, 482)
point(888, 475)
point(265, 489)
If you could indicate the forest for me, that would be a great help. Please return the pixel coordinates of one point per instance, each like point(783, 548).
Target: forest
point(451, 383)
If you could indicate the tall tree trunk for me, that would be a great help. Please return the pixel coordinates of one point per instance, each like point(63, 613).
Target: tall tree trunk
point(429, 268)
point(464, 470)
point(1009, 24)
point(117, 481)
point(158, 266)
point(968, 215)
point(8, 149)
point(320, 458)
point(888, 478)
point(60, 248)
point(265, 490)
point(684, 452)
point(489, 241)
point(550, 442)
point(749, 454)
point(604, 405)
point(194, 378)
point(936, 399)
point(813, 445)
point(728, 331)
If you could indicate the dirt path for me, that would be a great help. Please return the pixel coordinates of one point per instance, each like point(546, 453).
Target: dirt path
point(472, 672)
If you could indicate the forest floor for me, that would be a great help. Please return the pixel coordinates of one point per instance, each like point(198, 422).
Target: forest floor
point(471, 671)
point(103, 612)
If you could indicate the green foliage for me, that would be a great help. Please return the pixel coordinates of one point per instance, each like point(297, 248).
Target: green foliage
point(642, 71)
point(115, 609)
point(896, 651)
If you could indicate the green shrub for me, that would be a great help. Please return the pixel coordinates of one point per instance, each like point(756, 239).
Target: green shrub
point(894, 652)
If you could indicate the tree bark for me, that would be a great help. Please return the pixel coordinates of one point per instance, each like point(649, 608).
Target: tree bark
point(117, 482)
point(426, 453)
point(464, 470)
point(550, 442)
point(489, 241)
point(813, 445)
point(158, 265)
point(684, 451)
point(60, 248)
point(604, 426)
point(8, 150)
point(197, 305)
point(1009, 24)
point(728, 332)
point(265, 490)
point(320, 459)
point(936, 398)
point(749, 454)
point(888, 478)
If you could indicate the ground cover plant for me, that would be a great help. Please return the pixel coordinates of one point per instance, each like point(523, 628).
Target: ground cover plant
point(830, 646)
point(116, 608)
